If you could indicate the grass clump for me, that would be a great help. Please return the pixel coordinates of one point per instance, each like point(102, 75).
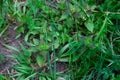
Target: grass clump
point(83, 34)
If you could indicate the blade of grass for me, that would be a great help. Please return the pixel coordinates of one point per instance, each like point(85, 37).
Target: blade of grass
point(101, 30)
point(3, 31)
point(53, 46)
point(54, 53)
point(11, 47)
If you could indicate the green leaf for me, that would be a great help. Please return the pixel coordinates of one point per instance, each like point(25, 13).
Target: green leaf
point(31, 76)
point(21, 29)
point(72, 8)
point(64, 59)
point(36, 41)
point(11, 47)
point(23, 69)
point(63, 17)
point(60, 27)
point(42, 78)
point(73, 48)
point(56, 44)
point(1, 33)
point(43, 46)
point(62, 5)
point(44, 30)
point(64, 48)
point(65, 37)
point(40, 60)
point(17, 36)
point(89, 25)
point(27, 38)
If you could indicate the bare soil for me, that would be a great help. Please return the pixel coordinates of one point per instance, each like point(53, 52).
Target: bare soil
point(9, 39)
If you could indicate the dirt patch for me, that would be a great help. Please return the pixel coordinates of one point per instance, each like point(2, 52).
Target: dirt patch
point(9, 39)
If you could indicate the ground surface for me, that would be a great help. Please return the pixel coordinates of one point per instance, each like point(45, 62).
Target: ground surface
point(9, 39)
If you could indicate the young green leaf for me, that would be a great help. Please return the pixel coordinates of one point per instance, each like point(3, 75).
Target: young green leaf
point(89, 25)
point(43, 46)
point(63, 17)
point(40, 60)
point(36, 41)
point(60, 27)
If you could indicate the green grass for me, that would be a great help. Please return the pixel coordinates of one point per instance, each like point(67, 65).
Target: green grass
point(84, 34)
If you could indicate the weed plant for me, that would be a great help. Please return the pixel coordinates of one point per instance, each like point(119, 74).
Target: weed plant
point(85, 34)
